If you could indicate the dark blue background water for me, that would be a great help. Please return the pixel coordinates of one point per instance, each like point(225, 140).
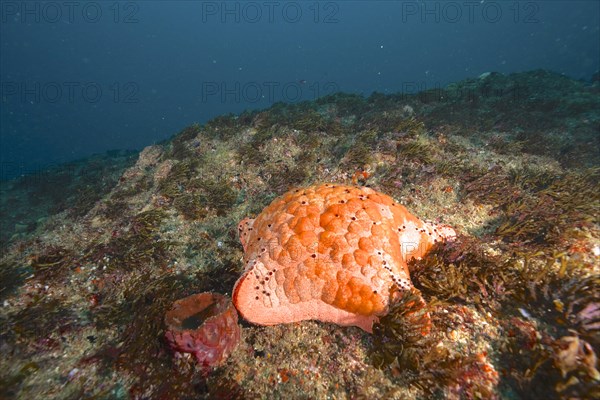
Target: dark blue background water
point(84, 77)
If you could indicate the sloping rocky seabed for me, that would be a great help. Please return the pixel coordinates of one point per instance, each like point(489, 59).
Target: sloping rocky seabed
point(95, 253)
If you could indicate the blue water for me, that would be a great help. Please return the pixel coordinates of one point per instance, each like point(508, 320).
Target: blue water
point(79, 78)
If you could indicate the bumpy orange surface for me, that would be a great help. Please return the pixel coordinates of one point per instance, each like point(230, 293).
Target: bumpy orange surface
point(331, 253)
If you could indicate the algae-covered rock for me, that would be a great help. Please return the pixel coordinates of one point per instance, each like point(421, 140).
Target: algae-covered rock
point(94, 255)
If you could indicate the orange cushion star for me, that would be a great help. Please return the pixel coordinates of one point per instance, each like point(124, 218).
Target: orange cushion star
point(331, 253)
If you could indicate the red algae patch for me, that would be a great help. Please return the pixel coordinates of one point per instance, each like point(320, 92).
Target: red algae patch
point(205, 325)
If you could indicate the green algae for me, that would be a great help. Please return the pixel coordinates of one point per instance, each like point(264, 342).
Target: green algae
point(40, 319)
point(12, 277)
point(173, 185)
point(419, 149)
point(52, 265)
point(179, 149)
point(545, 217)
point(190, 206)
point(358, 151)
point(461, 272)
point(538, 207)
point(400, 335)
point(217, 194)
point(135, 248)
point(9, 384)
point(123, 192)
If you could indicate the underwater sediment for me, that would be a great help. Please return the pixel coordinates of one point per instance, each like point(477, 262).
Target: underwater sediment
point(92, 261)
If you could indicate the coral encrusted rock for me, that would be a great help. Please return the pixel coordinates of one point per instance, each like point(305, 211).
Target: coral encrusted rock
point(331, 253)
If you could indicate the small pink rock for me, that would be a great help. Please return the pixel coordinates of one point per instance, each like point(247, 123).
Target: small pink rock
point(205, 325)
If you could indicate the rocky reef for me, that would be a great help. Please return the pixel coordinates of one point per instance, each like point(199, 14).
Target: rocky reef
point(511, 162)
